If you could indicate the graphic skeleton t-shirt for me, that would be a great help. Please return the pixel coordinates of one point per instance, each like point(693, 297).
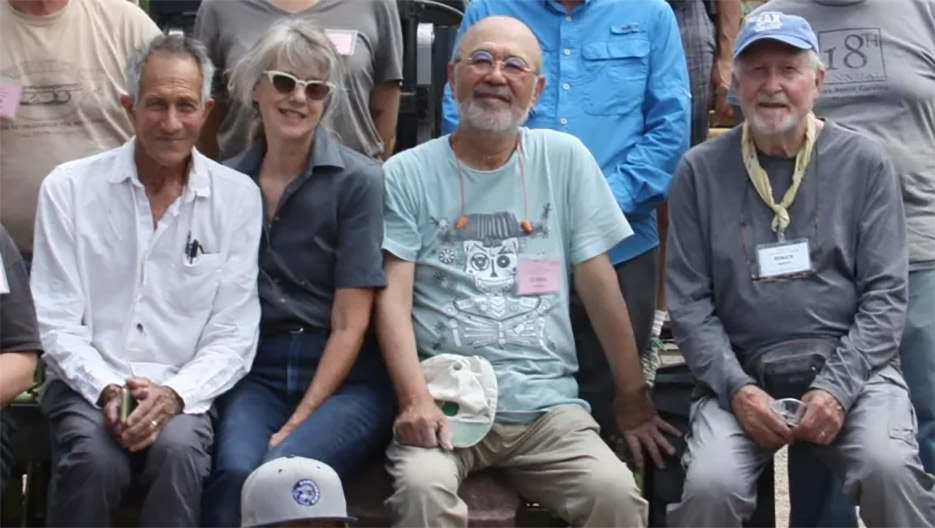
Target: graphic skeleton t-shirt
point(468, 281)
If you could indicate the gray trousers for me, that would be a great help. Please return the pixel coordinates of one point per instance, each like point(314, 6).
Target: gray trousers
point(93, 472)
point(875, 455)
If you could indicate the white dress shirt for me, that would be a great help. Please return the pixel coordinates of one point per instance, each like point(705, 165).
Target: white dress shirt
point(118, 298)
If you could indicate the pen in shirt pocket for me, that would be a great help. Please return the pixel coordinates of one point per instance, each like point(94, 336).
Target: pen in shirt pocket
point(192, 248)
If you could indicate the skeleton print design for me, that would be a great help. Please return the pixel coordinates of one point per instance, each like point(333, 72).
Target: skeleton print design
point(489, 247)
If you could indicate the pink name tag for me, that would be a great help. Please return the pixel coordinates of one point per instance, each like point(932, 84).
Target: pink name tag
point(344, 40)
point(9, 98)
point(536, 277)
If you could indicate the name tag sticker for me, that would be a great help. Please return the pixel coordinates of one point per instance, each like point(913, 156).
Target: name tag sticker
point(538, 276)
point(344, 40)
point(10, 94)
point(783, 258)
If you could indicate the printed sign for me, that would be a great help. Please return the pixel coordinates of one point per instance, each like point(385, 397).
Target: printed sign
point(852, 55)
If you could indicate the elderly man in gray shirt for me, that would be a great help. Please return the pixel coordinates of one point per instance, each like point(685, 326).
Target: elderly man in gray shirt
point(787, 273)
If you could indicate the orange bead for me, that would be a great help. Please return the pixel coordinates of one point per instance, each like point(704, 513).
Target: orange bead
point(463, 221)
point(527, 226)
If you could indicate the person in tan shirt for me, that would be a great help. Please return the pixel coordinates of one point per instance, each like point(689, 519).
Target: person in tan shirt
point(67, 57)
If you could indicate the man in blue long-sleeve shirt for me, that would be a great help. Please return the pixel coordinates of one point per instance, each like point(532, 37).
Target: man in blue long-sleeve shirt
point(615, 78)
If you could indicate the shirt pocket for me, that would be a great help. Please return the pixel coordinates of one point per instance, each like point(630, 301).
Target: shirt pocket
point(196, 284)
point(615, 72)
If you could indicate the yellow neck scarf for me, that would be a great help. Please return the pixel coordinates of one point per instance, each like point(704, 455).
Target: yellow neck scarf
point(760, 179)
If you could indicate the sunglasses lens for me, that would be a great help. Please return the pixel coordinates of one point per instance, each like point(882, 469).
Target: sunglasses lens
point(283, 84)
point(316, 92)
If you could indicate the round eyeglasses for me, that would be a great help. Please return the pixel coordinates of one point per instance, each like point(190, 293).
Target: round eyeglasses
point(285, 83)
point(484, 63)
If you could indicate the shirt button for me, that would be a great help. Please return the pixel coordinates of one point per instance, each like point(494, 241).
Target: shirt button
point(568, 18)
point(282, 299)
point(563, 121)
point(276, 218)
point(139, 326)
point(566, 86)
point(567, 51)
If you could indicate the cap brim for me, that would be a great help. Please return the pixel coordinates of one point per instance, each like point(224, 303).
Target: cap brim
point(466, 434)
point(296, 519)
point(785, 39)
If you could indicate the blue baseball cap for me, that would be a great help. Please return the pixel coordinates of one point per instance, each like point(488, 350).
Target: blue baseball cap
point(789, 29)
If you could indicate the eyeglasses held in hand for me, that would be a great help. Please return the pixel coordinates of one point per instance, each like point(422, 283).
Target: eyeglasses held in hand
point(285, 83)
point(484, 63)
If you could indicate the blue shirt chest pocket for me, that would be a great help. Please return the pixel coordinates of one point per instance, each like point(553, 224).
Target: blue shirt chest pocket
point(616, 71)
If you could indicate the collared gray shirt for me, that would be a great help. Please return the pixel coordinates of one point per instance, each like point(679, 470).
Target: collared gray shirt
point(326, 234)
point(849, 208)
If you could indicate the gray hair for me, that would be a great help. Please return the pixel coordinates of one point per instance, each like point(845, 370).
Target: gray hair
point(175, 45)
point(298, 43)
point(813, 59)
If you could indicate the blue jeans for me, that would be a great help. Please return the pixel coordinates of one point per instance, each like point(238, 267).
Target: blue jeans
point(350, 429)
point(917, 353)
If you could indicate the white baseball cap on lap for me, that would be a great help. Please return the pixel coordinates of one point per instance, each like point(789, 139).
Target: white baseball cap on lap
point(465, 387)
point(292, 489)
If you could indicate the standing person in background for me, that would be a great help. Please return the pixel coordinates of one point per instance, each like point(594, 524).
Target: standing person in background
point(65, 58)
point(708, 41)
point(615, 79)
point(880, 60)
point(367, 34)
point(708, 45)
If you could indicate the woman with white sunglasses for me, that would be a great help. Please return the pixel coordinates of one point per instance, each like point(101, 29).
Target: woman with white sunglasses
point(317, 387)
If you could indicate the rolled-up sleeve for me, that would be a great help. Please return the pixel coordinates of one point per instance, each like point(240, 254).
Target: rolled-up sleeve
point(881, 273)
point(699, 332)
point(642, 181)
point(228, 342)
point(59, 294)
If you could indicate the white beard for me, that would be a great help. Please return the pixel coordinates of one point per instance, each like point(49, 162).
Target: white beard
point(475, 116)
point(760, 127)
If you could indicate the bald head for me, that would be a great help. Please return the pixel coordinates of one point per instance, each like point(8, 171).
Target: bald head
point(506, 35)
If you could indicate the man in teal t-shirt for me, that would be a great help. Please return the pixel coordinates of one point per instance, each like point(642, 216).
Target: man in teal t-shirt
point(484, 229)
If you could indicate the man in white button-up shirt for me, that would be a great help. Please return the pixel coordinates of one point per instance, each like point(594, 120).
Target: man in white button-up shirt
point(144, 277)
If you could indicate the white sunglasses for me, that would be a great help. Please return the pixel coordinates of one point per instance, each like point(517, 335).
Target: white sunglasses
point(285, 83)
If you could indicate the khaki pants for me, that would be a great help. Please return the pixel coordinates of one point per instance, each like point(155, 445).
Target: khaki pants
point(558, 461)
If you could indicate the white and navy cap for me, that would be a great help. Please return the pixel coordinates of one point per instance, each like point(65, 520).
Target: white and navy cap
point(292, 489)
point(772, 25)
